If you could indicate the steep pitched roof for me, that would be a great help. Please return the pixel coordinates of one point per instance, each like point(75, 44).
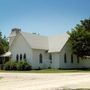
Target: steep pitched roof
point(56, 43)
point(36, 41)
point(51, 43)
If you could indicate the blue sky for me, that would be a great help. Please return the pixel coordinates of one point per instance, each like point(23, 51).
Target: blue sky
point(47, 17)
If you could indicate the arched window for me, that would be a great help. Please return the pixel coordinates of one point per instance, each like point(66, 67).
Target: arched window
point(20, 56)
point(24, 57)
point(17, 57)
point(65, 58)
point(50, 57)
point(40, 58)
point(71, 58)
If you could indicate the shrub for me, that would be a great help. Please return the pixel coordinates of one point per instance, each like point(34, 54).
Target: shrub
point(27, 67)
point(13, 66)
point(10, 65)
point(23, 65)
point(7, 65)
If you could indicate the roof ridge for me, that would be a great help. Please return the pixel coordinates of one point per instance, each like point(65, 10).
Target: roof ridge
point(35, 34)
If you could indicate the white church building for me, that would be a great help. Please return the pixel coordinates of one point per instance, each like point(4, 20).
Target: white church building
point(44, 51)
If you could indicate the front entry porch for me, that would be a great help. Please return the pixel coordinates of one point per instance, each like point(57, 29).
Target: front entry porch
point(4, 58)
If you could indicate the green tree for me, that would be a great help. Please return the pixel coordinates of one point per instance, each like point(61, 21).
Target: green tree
point(3, 44)
point(80, 38)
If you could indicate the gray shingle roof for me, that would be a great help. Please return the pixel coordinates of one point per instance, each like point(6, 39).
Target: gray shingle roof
point(36, 41)
point(56, 43)
point(51, 43)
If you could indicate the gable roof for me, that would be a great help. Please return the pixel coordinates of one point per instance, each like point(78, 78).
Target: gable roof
point(36, 41)
point(51, 43)
point(56, 43)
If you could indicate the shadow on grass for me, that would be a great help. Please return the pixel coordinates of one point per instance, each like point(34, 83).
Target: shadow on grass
point(73, 89)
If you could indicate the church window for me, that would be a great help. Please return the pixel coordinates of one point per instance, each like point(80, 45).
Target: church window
point(40, 58)
point(17, 57)
point(65, 58)
point(20, 56)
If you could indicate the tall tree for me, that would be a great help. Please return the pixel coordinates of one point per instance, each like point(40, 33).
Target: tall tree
point(80, 38)
point(3, 44)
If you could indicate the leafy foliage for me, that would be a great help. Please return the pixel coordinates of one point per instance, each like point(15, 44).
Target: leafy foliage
point(3, 44)
point(10, 65)
point(7, 65)
point(21, 66)
point(80, 38)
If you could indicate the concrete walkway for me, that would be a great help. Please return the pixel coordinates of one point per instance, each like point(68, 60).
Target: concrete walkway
point(34, 81)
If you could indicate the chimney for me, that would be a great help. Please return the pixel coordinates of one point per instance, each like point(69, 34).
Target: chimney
point(13, 34)
point(16, 30)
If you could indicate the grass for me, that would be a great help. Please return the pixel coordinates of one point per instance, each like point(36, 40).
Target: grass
point(75, 89)
point(48, 71)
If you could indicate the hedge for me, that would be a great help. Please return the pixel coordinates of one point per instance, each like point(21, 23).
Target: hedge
point(21, 66)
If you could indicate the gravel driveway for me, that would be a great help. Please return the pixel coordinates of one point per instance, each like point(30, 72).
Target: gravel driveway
point(34, 81)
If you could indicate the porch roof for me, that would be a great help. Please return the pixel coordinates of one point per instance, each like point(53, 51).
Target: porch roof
point(7, 54)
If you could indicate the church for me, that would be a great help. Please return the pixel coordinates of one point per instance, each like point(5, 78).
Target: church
point(44, 51)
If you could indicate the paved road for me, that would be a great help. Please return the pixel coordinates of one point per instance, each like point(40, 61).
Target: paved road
point(33, 81)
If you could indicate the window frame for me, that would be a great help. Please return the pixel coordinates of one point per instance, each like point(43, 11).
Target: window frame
point(24, 56)
point(72, 58)
point(40, 58)
point(50, 57)
point(65, 58)
point(21, 57)
point(17, 58)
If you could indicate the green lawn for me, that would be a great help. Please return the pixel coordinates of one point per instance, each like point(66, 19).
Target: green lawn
point(48, 71)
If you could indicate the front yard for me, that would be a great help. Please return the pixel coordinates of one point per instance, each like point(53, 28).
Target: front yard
point(48, 71)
